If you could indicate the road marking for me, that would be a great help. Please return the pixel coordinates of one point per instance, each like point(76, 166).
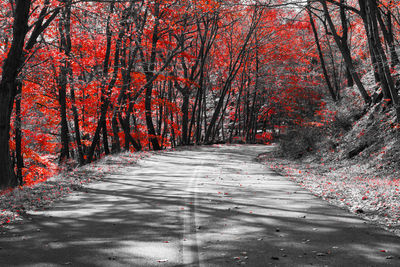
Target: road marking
point(190, 246)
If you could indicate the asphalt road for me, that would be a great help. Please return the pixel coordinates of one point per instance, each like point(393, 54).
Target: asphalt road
point(212, 206)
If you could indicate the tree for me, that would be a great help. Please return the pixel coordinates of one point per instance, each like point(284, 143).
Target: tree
point(9, 81)
point(345, 53)
point(155, 74)
point(320, 54)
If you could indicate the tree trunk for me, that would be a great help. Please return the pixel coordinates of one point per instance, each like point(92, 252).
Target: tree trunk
point(149, 118)
point(116, 144)
point(126, 78)
point(222, 117)
point(149, 70)
point(321, 57)
point(185, 118)
point(344, 38)
point(105, 99)
point(346, 55)
point(370, 25)
point(388, 34)
point(104, 133)
point(236, 65)
point(382, 59)
point(77, 128)
point(171, 99)
point(8, 89)
point(62, 99)
point(237, 109)
point(200, 92)
point(127, 133)
point(18, 135)
point(126, 128)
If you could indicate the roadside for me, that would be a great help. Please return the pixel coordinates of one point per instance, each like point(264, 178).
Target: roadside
point(208, 206)
point(355, 185)
point(14, 203)
point(350, 159)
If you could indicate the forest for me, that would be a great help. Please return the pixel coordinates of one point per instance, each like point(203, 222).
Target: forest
point(199, 133)
point(85, 79)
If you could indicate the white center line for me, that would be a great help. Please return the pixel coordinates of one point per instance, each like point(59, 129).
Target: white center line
point(190, 247)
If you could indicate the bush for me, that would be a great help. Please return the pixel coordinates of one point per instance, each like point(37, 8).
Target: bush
point(264, 138)
point(300, 141)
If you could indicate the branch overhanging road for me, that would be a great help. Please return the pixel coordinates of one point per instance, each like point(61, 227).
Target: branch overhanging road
point(210, 206)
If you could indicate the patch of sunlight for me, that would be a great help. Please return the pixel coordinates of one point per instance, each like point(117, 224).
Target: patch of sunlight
point(242, 229)
point(87, 242)
point(292, 244)
point(78, 213)
point(371, 253)
point(316, 230)
point(252, 220)
point(389, 247)
point(57, 245)
point(349, 220)
point(152, 251)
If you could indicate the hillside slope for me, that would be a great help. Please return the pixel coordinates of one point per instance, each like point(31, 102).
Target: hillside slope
point(356, 164)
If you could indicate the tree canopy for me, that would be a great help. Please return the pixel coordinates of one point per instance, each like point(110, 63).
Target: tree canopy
point(83, 79)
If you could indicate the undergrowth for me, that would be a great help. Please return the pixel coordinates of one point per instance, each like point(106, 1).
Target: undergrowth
point(352, 161)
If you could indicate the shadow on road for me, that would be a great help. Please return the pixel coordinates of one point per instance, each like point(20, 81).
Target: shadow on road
point(239, 213)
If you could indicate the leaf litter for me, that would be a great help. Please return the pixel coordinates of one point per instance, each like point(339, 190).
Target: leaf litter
point(15, 203)
point(368, 192)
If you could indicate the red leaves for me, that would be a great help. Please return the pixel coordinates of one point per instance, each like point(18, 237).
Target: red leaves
point(265, 137)
point(282, 51)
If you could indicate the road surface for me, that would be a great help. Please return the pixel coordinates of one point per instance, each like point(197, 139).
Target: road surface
point(211, 206)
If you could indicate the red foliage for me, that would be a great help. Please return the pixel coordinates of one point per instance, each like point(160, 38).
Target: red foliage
point(275, 77)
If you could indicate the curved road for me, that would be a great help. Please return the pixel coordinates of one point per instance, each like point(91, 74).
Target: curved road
point(210, 206)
